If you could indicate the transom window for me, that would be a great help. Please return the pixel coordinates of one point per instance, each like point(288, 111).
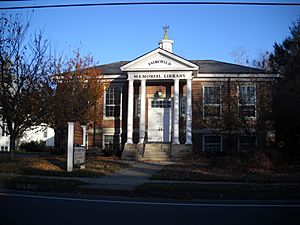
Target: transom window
point(211, 101)
point(247, 100)
point(212, 143)
point(113, 101)
point(161, 103)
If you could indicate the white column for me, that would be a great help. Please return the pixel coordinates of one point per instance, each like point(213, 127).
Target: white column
point(188, 112)
point(130, 112)
point(83, 135)
point(70, 146)
point(143, 110)
point(176, 113)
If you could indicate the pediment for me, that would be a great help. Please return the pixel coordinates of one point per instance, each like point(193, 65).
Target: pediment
point(159, 60)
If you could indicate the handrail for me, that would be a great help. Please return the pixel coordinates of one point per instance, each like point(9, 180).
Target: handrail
point(144, 143)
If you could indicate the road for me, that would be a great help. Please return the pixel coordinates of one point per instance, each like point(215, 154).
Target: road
point(32, 209)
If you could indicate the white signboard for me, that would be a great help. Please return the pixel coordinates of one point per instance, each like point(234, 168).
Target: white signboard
point(79, 155)
point(166, 75)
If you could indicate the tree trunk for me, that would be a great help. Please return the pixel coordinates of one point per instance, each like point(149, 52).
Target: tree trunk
point(12, 146)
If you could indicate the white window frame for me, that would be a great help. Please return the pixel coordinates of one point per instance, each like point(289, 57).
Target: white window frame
point(239, 104)
point(204, 144)
point(104, 105)
point(203, 101)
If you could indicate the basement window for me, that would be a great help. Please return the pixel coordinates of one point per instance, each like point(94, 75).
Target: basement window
point(247, 142)
point(212, 143)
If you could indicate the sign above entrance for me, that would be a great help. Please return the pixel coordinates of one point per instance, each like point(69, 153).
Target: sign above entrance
point(166, 75)
point(159, 62)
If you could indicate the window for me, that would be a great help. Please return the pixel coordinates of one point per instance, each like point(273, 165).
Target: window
point(113, 102)
point(247, 100)
point(182, 105)
point(212, 143)
point(45, 133)
point(247, 142)
point(161, 103)
point(111, 140)
point(211, 101)
point(137, 106)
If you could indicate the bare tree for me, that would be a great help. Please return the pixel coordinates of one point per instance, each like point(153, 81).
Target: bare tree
point(24, 80)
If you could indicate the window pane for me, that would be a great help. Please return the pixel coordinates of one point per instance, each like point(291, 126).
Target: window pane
point(247, 110)
point(211, 95)
point(247, 95)
point(211, 111)
point(113, 101)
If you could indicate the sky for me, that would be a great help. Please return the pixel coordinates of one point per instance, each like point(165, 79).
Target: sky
point(115, 33)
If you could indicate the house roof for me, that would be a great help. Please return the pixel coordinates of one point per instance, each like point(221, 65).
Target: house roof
point(205, 66)
point(212, 66)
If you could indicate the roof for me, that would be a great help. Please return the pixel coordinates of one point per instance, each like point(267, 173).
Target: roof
point(212, 66)
point(112, 68)
point(205, 66)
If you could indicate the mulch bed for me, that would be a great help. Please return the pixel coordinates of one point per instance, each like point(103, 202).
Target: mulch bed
point(96, 166)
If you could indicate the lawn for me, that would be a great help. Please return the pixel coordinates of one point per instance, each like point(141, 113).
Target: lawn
point(253, 167)
point(96, 166)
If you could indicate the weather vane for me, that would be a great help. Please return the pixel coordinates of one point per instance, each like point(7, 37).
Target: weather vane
point(166, 28)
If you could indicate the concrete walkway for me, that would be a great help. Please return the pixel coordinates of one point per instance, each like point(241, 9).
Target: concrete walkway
point(127, 179)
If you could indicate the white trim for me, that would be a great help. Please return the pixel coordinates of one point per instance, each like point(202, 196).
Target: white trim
point(250, 79)
point(189, 65)
point(236, 75)
point(115, 76)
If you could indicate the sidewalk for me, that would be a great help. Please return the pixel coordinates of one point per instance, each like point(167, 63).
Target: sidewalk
point(126, 179)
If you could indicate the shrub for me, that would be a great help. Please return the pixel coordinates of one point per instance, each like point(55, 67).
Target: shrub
point(33, 146)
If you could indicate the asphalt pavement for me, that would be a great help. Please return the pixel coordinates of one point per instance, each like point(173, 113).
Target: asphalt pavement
point(16, 208)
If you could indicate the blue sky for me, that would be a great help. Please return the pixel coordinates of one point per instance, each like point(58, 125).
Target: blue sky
point(125, 32)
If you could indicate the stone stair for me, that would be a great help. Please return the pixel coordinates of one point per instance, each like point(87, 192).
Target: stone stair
point(130, 152)
point(156, 152)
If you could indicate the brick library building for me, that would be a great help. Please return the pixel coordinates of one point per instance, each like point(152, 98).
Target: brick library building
point(163, 106)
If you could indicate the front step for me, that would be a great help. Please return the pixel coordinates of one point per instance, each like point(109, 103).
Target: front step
point(132, 152)
point(156, 152)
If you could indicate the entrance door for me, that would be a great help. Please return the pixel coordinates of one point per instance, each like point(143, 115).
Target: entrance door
point(159, 120)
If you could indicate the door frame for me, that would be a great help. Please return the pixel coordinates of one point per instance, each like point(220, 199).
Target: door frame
point(163, 136)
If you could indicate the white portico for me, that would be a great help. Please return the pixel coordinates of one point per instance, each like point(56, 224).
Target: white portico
point(160, 67)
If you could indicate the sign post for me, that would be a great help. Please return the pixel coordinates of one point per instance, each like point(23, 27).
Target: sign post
point(79, 156)
point(70, 146)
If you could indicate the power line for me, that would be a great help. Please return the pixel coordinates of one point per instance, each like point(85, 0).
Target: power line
point(150, 3)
